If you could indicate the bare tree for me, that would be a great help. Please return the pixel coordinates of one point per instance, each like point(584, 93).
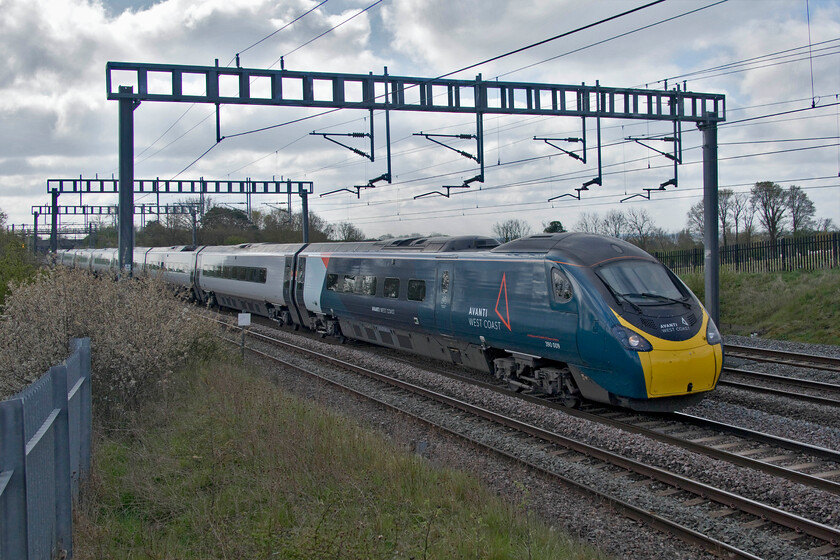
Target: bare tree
point(588, 222)
point(771, 204)
point(825, 225)
point(614, 224)
point(801, 210)
point(696, 219)
point(742, 214)
point(640, 224)
point(511, 229)
point(345, 231)
point(660, 240)
point(725, 203)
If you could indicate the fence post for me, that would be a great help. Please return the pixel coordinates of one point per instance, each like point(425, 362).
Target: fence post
point(82, 345)
point(63, 491)
point(13, 527)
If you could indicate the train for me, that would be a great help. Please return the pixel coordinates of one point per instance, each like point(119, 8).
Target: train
point(578, 316)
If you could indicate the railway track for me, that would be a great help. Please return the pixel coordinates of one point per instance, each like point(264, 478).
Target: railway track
point(827, 394)
point(665, 488)
point(799, 462)
point(799, 388)
point(782, 357)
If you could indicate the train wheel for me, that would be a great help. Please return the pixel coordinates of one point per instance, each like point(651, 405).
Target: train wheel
point(569, 401)
point(570, 396)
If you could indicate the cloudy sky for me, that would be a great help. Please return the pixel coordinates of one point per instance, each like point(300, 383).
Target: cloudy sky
point(777, 62)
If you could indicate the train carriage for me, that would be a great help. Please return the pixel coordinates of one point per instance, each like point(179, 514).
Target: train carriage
point(176, 265)
point(578, 316)
point(103, 261)
point(254, 277)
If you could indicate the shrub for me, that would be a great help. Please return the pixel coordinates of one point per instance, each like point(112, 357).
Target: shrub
point(16, 263)
point(139, 332)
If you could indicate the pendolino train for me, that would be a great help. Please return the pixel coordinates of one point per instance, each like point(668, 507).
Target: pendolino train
point(579, 316)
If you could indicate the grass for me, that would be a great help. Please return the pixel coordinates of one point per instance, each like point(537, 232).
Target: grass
point(228, 466)
point(801, 306)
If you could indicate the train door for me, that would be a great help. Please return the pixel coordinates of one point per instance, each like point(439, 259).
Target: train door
point(443, 298)
point(563, 303)
point(297, 296)
point(287, 281)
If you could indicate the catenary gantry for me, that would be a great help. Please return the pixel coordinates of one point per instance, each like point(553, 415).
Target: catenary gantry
point(132, 83)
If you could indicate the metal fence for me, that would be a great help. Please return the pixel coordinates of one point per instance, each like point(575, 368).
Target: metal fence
point(800, 253)
point(45, 433)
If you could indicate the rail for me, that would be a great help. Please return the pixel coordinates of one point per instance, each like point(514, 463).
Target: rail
point(798, 359)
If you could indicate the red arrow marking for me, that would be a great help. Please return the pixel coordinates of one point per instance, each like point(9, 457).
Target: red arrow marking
point(506, 318)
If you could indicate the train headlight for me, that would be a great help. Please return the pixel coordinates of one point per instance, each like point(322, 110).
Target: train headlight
point(631, 340)
point(712, 333)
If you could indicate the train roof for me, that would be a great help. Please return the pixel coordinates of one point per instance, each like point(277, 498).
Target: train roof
point(256, 248)
point(587, 249)
point(440, 244)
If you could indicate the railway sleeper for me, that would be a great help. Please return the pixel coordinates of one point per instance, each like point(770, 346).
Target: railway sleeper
point(522, 372)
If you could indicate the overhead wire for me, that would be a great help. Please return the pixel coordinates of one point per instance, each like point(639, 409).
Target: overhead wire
point(536, 158)
point(492, 59)
point(278, 60)
point(295, 20)
point(330, 30)
point(276, 31)
point(324, 113)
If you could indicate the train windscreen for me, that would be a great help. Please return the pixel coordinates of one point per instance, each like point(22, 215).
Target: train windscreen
point(642, 282)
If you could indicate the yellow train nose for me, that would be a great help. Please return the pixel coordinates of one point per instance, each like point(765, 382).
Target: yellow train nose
point(687, 370)
point(683, 367)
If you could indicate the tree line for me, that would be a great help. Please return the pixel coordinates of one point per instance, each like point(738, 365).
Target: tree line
point(768, 212)
point(777, 210)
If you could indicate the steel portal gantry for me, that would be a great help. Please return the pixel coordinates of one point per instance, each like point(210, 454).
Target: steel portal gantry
point(86, 210)
point(158, 186)
point(132, 83)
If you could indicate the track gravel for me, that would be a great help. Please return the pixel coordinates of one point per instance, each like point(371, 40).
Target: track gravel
point(568, 509)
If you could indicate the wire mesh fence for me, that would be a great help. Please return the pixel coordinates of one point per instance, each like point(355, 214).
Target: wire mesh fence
point(45, 436)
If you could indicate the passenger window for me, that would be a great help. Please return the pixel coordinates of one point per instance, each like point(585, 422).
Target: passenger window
point(444, 282)
point(562, 288)
point(332, 282)
point(349, 284)
point(391, 288)
point(416, 290)
point(368, 285)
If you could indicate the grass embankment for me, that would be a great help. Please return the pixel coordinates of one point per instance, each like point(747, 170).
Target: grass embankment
point(231, 467)
point(802, 306)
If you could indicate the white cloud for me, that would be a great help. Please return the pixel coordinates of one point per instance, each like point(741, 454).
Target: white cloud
point(56, 122)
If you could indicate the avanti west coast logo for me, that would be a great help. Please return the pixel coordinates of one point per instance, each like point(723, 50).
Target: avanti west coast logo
point(480, 317)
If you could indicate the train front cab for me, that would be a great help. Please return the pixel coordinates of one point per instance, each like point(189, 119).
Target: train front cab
point(661, 339)
point(678, 371)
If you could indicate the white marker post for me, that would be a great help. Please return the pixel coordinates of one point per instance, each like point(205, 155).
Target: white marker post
point(244, 321)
